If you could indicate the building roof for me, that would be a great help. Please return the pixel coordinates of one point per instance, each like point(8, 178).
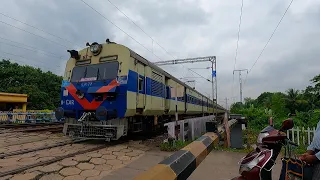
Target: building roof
point(13, 94)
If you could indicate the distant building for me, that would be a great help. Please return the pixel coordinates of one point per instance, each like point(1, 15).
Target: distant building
point(13, 102)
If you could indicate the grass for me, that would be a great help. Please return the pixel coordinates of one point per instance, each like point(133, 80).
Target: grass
point(244, 150)
point(173, 145)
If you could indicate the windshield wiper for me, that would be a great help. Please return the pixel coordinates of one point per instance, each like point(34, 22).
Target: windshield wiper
point(98, 73)
point(85, 72)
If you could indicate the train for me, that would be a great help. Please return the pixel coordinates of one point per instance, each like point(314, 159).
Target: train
point(109, 91)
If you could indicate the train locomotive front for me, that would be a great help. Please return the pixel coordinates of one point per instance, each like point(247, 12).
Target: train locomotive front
point(93, 93)
point(109, 91)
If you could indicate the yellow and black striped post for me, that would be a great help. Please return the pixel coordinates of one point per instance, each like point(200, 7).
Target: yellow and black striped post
point(182, 163)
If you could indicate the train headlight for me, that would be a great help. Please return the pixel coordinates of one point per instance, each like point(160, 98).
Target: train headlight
point(80, 94)
point(95, 48)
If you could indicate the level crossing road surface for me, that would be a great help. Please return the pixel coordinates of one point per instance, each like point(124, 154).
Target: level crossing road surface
point(218, 165)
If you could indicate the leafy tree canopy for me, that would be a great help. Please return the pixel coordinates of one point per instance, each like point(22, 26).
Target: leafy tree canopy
point(303, 106)
point(43, 88)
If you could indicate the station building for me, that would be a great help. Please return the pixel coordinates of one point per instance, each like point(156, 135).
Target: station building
point(13, 102)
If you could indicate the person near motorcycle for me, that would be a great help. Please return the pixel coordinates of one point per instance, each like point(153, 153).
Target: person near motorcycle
point(312, 156)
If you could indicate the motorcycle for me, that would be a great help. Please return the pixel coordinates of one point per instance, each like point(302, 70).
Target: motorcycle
point(258, 164)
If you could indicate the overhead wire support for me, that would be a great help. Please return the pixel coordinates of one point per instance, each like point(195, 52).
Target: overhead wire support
point(213, 61)
point(186, 60)
point(269, 39)
point(240, 80)
point(119, 28)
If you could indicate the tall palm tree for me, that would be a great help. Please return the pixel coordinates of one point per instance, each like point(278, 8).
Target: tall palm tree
point(293, 99)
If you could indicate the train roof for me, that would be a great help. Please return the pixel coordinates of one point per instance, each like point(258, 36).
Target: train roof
point(160, 70)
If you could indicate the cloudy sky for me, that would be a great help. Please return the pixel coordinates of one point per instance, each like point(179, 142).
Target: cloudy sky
point(184, 28)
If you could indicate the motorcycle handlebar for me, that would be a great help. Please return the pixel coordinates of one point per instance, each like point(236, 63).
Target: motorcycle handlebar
point(292, 143)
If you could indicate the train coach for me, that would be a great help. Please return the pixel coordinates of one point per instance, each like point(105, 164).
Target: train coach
point(109, 91)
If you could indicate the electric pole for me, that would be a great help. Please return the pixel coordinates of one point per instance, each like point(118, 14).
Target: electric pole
point(213, 80)
point(226, 103)
point(240, 80)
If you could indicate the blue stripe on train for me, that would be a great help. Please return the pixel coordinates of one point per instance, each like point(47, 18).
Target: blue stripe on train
point(157, 89)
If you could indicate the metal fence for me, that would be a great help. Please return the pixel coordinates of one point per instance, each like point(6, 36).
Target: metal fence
point(188, 128)
point(22, 117)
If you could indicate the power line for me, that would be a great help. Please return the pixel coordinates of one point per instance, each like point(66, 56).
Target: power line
point(45, 52)
point(33, 50)
point(119, 28)
point(35, 27)
point(235, 58)
point(141, 29)
point(145, 32)
point(33, 34)
point(127, 33)
point(269, 39)
point(25, 59)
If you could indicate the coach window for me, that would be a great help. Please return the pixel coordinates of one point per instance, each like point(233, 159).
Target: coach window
point(140, 84)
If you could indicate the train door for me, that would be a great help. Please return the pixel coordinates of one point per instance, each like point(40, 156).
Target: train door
point(141, 91)
point(158, 88)
point(202, 104)
point(167, 94)
point(185, 100)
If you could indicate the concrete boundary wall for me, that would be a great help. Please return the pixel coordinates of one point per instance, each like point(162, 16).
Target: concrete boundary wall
point(182, 163)
point(196, 127)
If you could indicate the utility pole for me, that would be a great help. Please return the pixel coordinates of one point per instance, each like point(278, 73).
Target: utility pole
point(213, 80)
point(240, 80)
point(226, 103)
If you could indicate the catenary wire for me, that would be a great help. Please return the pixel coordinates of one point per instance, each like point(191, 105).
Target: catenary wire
point(268, 41)
point(35, 27)
point(33, 34)
point(119, 28)
point(236, 54)
point(33, 50)
point(45, 52)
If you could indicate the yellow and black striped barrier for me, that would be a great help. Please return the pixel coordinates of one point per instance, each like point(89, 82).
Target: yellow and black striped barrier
point(182, 163)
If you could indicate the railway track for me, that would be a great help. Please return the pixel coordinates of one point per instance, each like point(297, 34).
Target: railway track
point(22, 125)
point(31, 127)
point(5, 155)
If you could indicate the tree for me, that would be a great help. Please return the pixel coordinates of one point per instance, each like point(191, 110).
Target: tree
point(264, 100)
point(248, 102)
point(43, 88)
point(294, 100)
point(236, 107)
point(278, 106)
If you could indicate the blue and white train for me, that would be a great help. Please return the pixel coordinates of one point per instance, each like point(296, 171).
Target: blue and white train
point(109, 91)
